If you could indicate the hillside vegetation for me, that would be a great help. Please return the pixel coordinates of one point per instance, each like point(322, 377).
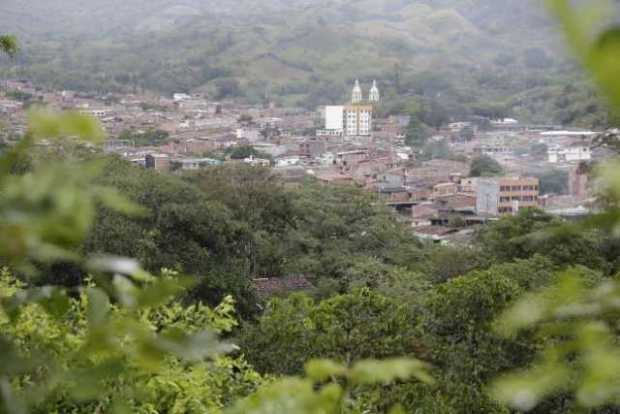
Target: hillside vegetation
point(471, 55)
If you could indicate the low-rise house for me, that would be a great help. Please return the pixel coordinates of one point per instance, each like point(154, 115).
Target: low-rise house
point(351, 157)
point(312, 147)
point(422, 214)
point(444, 189)
point(573, 153)
point(256, 162)
point(468, 185)
point(334, 177)
point(392, 181)
point(287, 161)
point(159, 162)
point(456, 203)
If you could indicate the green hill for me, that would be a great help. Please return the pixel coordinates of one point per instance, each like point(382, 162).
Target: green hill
point(467, 54)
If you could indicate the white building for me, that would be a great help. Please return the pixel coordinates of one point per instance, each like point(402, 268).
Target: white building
point(569, 154)
point(287, 161)
point(566, 134)
point(334, 119)
point(257, 162)
point(327, 159)
point(95, 113)
point(251, 134)
point(179, 97)
point(505, 122)
point(457, 126)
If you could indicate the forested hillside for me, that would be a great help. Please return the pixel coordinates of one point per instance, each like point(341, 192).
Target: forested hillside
point(471, 56)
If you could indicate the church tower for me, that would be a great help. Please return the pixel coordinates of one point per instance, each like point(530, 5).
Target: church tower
point(374, 96)
point(357, 93)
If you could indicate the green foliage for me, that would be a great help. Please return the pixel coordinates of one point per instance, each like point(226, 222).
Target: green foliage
point(553, 182)
point(182, 229)
point(435, 150)
point(485, 166)
point(244, 151)
point(539, 150)
point(92, 355)
point(457, 336)
point(97, 348)
point(20, 96)
point(329, 387)
point(152, 137)
point(533, 232)
point(581, 355)
point(8, 45)
point(443, 263)
point(416, 134)
point(345, 328)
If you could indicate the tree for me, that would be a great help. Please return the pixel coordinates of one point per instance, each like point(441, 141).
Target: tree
point(345, 328)
point(539, 150)
point(151, 137)
point(554, 182)
point(8, 44)
point(115, 343)
point(181, 229)
point(227, 88)
point(433, 114)
point(330, 387)
point(416, 133)
point(485, 166)
point(435, 150)
point(241, 152)
point(467, 133)
point(533, 231)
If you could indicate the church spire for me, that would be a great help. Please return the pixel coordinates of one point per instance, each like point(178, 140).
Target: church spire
point(356, 96)
point(374, 96)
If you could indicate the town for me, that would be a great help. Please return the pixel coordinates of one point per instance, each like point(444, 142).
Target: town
point(438, 193)
point(310, 206)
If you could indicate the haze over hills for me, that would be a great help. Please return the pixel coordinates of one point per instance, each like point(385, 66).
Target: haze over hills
point(465, 53)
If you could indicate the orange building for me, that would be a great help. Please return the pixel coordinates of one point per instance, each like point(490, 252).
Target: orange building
point(506, 195)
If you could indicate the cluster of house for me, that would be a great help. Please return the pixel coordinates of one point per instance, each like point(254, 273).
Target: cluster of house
point(340, 144)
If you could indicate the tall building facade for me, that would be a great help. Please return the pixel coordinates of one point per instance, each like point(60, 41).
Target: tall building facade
point(357, 120)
